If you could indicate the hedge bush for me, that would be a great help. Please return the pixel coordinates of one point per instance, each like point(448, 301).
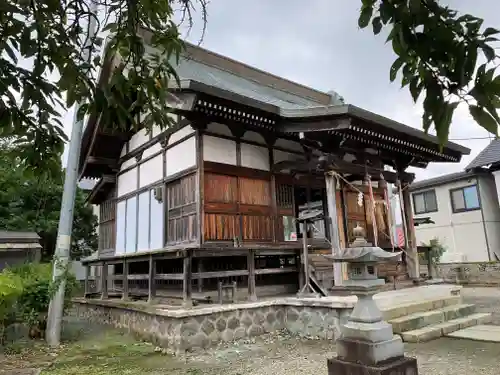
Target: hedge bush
point(25, 293)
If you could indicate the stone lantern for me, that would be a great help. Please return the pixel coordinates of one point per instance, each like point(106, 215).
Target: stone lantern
point(367, 344)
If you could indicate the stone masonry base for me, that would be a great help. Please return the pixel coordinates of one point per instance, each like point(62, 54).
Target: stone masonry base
point(178, 334)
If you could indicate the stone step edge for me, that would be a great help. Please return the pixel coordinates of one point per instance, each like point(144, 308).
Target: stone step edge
point(441, 329)
point(438, 315)
point(394, 312)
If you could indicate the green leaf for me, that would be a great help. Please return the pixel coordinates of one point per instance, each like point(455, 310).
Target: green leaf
point(377, 25)
point(483, 118)
point(489, 52)
point(395, 68)
point(490, 31)
point(365, 16)
point(416, 88)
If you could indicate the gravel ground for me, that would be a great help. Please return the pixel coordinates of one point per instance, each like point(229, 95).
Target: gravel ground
point(273, 356)
point(286, 355)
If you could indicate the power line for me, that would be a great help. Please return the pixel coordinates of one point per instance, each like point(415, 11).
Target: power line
point(470, 138)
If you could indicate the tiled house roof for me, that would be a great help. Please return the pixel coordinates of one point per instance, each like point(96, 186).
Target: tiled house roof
point(490, 155)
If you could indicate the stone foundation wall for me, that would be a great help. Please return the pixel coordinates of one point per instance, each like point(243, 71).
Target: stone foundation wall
point(178, 334)
point(484, 273)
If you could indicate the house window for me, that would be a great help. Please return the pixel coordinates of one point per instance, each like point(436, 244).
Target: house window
point(425, 202)
point(465, 199)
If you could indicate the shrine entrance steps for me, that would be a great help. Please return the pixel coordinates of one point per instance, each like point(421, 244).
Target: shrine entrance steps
point(428, 320)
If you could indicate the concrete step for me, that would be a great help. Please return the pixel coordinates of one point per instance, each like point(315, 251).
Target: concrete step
point(425, 305)
point(435, 331)
point(423, 319)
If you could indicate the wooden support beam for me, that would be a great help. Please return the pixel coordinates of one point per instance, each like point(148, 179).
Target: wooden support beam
point(252, 296)
point(125, 280)
point(104, 280)
point(152, 279)
point(201, 269)
point(333, 163)
point(101, 161)
point(331, 196)
point(187, 280)
point(86, 285)
point(300, 269)
point(412, 260)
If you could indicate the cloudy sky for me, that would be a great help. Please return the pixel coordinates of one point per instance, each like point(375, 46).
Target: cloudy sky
point(318, 43)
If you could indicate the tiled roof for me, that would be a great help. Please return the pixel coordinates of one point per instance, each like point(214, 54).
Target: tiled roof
point(490, 155)
point(189, 69)
point(440, 180)
point(11, 236)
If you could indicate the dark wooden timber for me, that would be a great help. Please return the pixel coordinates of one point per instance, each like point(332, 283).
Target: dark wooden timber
point(104, 280)
point(411, 251)
point(342, 167)
point(86, 285)
point(125, 280)
point(251, 275)
point(187, 280)
point(152, 279)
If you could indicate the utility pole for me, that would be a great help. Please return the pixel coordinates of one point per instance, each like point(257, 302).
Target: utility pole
point(63, 244)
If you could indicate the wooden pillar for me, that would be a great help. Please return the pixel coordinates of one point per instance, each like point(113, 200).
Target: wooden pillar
point(86, 282)
point(252, 296)
point(300, 268)
point(104, 281)
point(187, 279)
point(125, 280)
point(331, 196)
point(201, 269)
point(411, 248)
point(152, 279)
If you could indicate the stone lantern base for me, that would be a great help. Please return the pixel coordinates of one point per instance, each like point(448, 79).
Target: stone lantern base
point(395, 366)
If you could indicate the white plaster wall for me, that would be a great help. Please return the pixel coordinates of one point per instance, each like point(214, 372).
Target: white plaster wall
point(181, 133)
point(219, 150)
point(221, 129)
point(151, 171)
point(255, 157)
point(461, 233)
point(181, 156)
point(138, 139)
point(151, 150)
point(128, 163)
point(127, 182)
point(254, 137)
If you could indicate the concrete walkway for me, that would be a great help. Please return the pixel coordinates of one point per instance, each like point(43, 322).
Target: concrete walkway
point(488, 333)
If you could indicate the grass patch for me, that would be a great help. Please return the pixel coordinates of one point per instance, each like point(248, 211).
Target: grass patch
point(94, 351)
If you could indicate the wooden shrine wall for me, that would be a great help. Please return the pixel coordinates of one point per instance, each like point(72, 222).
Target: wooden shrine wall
point(182, 225)
point(237, 206)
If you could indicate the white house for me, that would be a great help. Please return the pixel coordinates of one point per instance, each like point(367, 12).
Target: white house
point(465, 209)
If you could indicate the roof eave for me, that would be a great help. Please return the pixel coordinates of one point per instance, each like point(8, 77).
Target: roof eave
point(360, 113)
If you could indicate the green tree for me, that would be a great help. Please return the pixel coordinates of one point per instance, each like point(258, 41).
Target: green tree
point(438, 54)
point(32, 203)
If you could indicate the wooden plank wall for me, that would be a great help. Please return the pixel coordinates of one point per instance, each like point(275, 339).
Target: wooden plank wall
point(181, 213)
point(237, 206)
